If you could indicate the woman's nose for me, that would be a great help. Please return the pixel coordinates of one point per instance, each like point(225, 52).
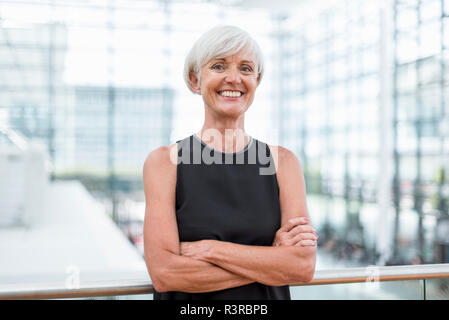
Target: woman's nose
point(233, 75)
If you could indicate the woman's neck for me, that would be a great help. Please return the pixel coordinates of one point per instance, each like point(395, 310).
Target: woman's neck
point(227, 140)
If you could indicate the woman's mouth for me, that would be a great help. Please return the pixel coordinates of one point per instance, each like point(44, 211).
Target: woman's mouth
point(230, 94)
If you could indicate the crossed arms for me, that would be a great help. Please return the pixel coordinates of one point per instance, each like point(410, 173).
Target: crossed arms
point(211, 265)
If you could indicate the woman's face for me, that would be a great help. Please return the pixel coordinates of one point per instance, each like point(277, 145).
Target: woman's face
point(228, 83)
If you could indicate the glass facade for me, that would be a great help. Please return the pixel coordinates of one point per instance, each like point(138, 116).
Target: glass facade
point(420, 123)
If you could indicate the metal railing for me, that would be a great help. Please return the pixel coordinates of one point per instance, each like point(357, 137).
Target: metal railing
point(136, 287)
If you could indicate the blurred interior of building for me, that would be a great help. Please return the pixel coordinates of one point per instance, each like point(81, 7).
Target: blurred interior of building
point(358, 90)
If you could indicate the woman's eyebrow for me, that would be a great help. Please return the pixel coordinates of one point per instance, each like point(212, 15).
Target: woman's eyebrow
point(247, 61)
point(242, 61)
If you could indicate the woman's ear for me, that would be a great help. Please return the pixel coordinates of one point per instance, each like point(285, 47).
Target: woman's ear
point(194, 83)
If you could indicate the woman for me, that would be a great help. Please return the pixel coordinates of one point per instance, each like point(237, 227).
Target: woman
point(214, 212)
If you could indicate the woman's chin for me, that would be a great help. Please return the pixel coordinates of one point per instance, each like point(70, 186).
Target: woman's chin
point(232, 110)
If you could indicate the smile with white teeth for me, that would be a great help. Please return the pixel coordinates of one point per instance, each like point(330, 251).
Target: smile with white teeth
point(232, 94)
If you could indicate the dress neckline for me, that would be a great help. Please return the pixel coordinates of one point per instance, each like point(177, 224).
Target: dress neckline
point(230, 153)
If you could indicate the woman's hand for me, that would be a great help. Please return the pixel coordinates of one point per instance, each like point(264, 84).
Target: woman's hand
point(297, 232)
point(199, 250)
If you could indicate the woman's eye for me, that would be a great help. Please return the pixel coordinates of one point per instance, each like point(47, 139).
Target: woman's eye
point(247, 69)
point(217, 67)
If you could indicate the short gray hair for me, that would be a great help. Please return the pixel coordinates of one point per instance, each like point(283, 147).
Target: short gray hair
point(221, 41)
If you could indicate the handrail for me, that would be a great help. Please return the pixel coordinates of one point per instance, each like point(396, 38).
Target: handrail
point(136, 287)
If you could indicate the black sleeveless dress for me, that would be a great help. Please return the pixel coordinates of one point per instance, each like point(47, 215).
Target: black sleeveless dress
point(230, 197)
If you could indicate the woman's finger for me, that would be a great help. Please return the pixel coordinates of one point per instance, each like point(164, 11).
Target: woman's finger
point(304, 236)
point(300, 229)
point(183, 248)
point(293, 223)
point(306, 243)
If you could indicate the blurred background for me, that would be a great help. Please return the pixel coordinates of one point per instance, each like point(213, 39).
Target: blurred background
point(359, 90)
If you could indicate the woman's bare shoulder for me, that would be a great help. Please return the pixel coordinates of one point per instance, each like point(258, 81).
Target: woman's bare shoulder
point(162, 159)
point(282, 156)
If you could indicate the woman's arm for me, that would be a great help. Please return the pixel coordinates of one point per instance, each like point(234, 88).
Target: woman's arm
point(274, 266)
point(269, 265)
point(169, 271)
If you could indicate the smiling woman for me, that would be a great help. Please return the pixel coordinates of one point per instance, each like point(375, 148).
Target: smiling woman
point(219, 43)
point(225, 229)
point(227, 84)
point(225, 66)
